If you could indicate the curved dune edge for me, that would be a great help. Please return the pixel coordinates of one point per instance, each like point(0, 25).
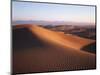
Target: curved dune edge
point(67, 40)
point(63, 55)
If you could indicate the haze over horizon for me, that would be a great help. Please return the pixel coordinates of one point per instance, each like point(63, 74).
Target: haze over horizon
point(30, 11)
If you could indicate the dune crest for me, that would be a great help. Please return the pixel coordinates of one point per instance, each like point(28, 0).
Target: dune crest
point(67, 40)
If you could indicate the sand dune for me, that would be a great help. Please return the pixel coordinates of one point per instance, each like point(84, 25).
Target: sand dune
point(49, 51)
point(68, 40)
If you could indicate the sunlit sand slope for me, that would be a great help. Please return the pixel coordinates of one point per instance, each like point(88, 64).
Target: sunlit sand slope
point(67, 40)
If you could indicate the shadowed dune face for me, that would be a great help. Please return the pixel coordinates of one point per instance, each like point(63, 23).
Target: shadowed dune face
point(23, 38)
point(36, 49)
point(90, 48)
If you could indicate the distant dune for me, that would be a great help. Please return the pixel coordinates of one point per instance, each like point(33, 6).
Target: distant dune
point(36, 49)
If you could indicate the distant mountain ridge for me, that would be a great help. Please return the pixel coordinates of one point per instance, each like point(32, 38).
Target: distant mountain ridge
point(40, 22)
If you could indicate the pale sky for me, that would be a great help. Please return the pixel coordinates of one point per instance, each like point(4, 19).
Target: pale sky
point(52, 12)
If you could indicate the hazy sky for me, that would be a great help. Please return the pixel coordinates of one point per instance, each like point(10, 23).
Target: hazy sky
point(52, 12)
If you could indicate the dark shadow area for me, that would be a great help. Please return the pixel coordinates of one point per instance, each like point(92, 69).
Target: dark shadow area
point(90, 48)
point(23, 39)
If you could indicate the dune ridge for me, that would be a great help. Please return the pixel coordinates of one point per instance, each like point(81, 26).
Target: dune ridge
point(68, 40)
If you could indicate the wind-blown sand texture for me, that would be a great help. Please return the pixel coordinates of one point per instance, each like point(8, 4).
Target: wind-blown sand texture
point(36, 49)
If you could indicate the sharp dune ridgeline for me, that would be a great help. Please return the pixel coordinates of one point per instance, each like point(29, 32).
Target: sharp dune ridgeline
point(37, 49)
point(68, 40)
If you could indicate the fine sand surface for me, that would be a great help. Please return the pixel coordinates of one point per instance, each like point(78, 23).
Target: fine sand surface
point(49, 51)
